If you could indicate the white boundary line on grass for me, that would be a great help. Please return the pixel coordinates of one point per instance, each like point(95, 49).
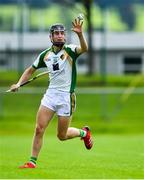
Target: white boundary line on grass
point(95, 90)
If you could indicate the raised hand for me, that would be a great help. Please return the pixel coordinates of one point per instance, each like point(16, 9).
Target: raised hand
point(77, 26)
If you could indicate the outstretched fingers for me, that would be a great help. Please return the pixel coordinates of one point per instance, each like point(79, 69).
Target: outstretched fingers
point(77, 22)
point(77, 25)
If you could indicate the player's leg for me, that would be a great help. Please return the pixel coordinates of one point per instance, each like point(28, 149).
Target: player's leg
point(44, 116)
point(67, 106)
point(64, 131)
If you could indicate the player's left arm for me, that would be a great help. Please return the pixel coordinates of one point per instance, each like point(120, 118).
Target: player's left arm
point(77, 28)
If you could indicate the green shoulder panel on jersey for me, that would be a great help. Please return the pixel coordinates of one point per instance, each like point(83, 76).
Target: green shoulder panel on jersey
point(40, 59)
point(74, 77)
point(74, 56)
point(71, 53)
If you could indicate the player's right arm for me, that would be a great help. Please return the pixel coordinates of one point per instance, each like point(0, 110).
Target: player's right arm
point(38, 63)
point(25, 76)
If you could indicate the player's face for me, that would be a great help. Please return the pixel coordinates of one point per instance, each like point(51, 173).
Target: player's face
point(58, 36)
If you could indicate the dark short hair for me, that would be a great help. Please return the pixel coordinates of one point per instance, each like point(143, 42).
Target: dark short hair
point(57, 27)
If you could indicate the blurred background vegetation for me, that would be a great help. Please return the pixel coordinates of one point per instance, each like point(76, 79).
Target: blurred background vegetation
point(114, 30)
point(124, 15)
point(101, 16)
point(110, 87)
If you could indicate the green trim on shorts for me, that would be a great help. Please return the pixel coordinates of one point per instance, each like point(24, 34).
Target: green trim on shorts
point(72, 102)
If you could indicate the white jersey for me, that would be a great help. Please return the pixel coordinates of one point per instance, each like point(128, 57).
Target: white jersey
point(61, 67)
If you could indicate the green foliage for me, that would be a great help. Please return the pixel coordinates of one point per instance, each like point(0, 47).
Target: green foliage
point(114, 21)
point(43, 15)
point(52, 13)
point(140, 18)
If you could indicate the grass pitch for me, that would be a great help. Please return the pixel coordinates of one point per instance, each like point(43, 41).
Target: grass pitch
point(118, 151)
point(113, 156)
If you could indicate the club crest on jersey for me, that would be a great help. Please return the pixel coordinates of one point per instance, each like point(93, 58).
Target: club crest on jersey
point(62, 57)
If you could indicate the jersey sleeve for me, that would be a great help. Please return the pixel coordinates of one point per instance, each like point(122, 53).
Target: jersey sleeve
point(39, 62)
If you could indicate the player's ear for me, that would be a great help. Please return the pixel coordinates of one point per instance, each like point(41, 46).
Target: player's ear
point(50, 36)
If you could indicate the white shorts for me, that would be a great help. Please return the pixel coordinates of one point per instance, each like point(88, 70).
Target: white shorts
point(63, 103)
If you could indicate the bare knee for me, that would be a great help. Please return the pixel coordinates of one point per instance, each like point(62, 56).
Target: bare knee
point(39, 130)
point(61, 137)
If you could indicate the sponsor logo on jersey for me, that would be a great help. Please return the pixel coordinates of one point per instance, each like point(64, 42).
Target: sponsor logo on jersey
point(48, 59)
point(66, 113)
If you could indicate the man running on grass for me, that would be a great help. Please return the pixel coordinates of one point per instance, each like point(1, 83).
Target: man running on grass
point(60, 60)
